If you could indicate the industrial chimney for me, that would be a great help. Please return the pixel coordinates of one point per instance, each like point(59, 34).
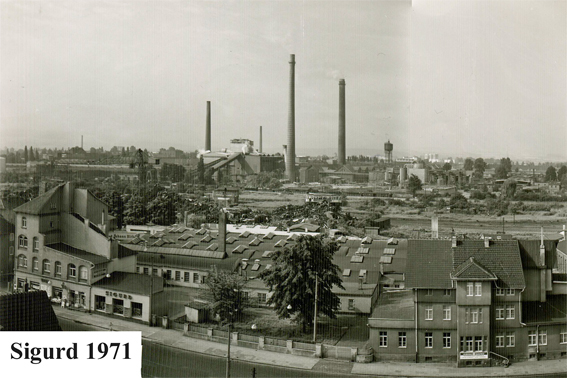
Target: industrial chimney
point(260, 146)
point(290, 157)
point(342, 123)
point(208, 130)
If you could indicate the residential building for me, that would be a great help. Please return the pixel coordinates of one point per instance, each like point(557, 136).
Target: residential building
point(475, 302)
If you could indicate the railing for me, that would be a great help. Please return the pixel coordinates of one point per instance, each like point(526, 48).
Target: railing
point(473, 355)
point(501, 359)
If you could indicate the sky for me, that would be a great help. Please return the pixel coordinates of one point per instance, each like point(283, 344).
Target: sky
point(467, 78)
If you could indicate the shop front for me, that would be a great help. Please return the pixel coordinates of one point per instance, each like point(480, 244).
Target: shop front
point(120, 303)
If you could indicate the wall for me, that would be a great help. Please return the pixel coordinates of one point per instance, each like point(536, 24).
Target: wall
point(79, 235)
point(109, 295)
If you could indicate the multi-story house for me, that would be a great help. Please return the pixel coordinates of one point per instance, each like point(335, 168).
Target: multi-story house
point(474, 302)
point(62, 245)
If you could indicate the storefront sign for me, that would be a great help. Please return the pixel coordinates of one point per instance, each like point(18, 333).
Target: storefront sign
point(118, 295)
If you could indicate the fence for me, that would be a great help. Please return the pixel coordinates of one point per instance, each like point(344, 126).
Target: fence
point(271, 344)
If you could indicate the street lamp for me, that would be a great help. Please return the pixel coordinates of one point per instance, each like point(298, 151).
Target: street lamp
point(315, 316)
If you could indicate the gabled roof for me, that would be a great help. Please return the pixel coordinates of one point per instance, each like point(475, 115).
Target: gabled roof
point(472, 270)
point(502, 258)
point(36, 206)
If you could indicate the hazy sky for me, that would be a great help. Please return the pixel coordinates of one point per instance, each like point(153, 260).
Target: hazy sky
point(454, 78)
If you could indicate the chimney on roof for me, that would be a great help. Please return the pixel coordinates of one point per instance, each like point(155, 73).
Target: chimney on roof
point(435, 227)
point(542, 251)
point(454, 242)
point(486, 242)
point(222, 231)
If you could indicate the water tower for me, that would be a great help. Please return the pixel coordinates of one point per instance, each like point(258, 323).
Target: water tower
point(388, 148)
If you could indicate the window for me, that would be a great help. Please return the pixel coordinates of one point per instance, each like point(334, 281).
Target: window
point(186, 276)
point(469, 344)
point(147, 271)
point(383, 339)
point(510, 291)
point(499, 313)
point(137, 269)
point(196, 278)
point(429, 292)
point(46, 267)
point(510, 312)
point(446, 312)
point(117, 306)
point(167, 274)
point(446, 340)
point(351, 304)
point(478, 289)
point(83, 274)
point(136, 310)
point(563, 337)
point(71, 271)
point(11, 250)
point(499, 291)
point(262, 297)
point(474, 315)
point(177, 275)
point(542, 337)
point(428, 339)
point(447, 292)
point(429, 313)
point(154, 272)
point(402, 340)
point(478, 343)
point(24, 222)
point(499, 340)
point(510, 339)
point(532, 338)
point(35, 264)
point(470, 289)
point(12, 236)
point(35, 244)
point(100, 303)
point(22, 261)
point(57, 269)
point(22, 241)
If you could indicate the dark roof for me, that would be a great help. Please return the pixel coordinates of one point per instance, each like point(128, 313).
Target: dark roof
point(553, 310)
point(27, 312)
point(188, 262)
point(6, 227)
point(529, 250)
point(36, 205)
point(78, 253)
point(472, 269)
point(131, 283)
point(395, 305)
point(501, 258)
point(429, 264)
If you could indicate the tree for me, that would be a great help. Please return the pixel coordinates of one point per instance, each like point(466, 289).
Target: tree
point(458, 201)
point(293, 275)
point(31, 154)
point(172, 172)
point(135, 211)
point(414, 184)
point(561, 173)
point(225, 290)
point(500, 172)
point(479, 167)
point(550, 174)
point(201, 170)
point(469, 164)
point(506, 163)
point(162, 208)
point(26, 154)
point(447, 166)
point(509, 188)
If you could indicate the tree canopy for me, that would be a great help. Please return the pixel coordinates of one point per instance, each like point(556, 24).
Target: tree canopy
point(469, 164)
point(479, 167)
point(550, 174)
point(293, 275)
point(414, 184)
point(225, 291)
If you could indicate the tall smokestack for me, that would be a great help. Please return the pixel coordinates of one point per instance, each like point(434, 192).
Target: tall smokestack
point(290, 158)
point(208, 131)
point(260, 150)
point(342, 123)
point(81, 142)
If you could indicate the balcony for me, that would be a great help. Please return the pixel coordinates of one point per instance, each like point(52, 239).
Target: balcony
point(476, 355)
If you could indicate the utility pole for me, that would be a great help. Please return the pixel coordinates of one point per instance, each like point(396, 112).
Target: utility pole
point(228, 355)
point(315, 316)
